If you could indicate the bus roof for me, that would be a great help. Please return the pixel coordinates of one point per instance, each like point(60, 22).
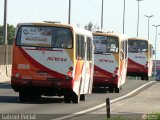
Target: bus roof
point(134, 38)
point(57, 24)
point(120, 36)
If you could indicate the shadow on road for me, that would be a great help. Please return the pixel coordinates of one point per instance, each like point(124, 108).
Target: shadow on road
point(99, 90)
point(43, 100)
point(8, 99)
point(5, 86)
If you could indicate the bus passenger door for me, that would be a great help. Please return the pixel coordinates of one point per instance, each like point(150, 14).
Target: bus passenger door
point(123, 62)
point(88, 66)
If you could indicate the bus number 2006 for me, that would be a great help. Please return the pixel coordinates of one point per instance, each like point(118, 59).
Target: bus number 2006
point(23, 66)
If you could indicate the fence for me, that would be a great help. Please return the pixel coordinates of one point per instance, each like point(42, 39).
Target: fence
point(5, 54)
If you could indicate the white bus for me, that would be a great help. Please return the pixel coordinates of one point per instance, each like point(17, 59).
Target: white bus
point(140, 55)
point(110, 57)
point(52, 59)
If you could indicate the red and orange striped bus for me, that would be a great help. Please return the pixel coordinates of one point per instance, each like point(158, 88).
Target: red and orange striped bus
point(110, 58)
point(52, 59)
point(140, 55)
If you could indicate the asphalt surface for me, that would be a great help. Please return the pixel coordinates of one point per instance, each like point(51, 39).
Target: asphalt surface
point(143, 105)
point(54, 107)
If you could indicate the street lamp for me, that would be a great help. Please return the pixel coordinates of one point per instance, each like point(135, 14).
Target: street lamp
point(148, 16)
point(124, 7)
point(156, 26)
point(138, 17)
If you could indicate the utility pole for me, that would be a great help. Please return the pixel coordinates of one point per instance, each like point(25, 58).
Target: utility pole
point(5, 36)
point(124, 8)
point(138, 18)
point(102, 16)
point(69, 12)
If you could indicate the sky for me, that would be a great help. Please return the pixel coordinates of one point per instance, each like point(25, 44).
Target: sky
point(85, 11)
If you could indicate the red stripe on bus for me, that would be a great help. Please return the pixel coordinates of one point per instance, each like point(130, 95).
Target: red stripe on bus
point(135, 63)
point(40, 66)
point(109, 74)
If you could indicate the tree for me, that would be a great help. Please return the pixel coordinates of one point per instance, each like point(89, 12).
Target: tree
point(10, 34)
point(91, 27)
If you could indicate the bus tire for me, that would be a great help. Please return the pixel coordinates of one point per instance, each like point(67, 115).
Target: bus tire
point(83, 97)
point(75, 98)
point(67, 96)
point(117, 90)
point(67, 100)
point(142, 77)
point(22, 96)
point(111, 89)
point(146, 78)
point(35, 96)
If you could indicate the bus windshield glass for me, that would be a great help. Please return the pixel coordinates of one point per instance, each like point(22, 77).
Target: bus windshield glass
point(105, 44)
point(41, 36)
point(135, 46)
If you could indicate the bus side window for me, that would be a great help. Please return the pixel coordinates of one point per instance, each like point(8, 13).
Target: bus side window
point(80, 47)
point(89, 49)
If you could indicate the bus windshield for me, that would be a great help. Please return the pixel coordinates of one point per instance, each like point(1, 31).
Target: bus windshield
point(105, 44)
point(41, 36)
point(135, 46)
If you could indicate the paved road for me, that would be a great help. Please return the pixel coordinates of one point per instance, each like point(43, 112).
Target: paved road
point(145, 103)
point(55, 106)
